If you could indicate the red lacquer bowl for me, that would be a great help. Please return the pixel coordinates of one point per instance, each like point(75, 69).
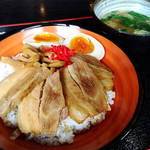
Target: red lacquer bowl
point(126, 88)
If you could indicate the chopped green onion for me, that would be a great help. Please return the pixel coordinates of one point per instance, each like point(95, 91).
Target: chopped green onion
point(138, 16)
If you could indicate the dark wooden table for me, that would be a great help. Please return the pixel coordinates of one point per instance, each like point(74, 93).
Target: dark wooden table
point(16, 15)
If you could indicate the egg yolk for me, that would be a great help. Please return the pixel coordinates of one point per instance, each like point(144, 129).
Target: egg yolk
point(82, 45)
point(46, 37)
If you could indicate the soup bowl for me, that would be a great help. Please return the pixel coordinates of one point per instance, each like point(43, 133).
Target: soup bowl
point(101, 7)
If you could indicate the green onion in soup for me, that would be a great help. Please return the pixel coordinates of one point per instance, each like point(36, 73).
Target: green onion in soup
point(127, 21)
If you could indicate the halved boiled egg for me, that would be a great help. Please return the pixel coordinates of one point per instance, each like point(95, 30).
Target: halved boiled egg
point(45, 38)
point(85, 44)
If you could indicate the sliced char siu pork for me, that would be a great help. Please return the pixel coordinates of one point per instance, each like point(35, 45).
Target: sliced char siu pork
point(102, 72)
point(52, 103)
point(78, 106)
point(90, 86)
point(17, 85)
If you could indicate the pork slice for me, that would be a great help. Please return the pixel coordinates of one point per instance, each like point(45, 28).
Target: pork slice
point(91, 88)
point(92, 61)
point(78, 106)
point(28, 111)
point(105, 77)
point(102, 72)
point(52, 102)
point(16, 86)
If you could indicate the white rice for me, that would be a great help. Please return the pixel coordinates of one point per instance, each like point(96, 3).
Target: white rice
point(66, 128)
point(12, 117)
point(6, 70)
point(65, 132)
point(111, 95)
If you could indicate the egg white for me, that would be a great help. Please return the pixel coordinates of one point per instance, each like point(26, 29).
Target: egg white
point(98, 52)
point(30, 40)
